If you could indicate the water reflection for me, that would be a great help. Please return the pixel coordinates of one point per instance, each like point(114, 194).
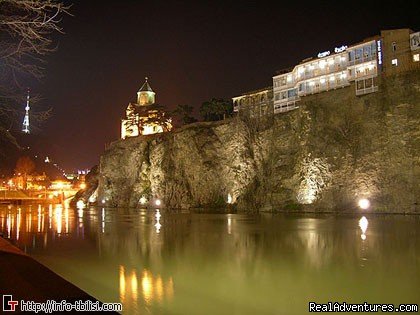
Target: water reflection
point(159, 262)
point(158, 225)
point(153, 288)
point(363, 224)
point(27, 222)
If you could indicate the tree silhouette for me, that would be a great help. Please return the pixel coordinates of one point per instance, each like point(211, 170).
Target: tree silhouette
point(216, 109)
point(184, 114)
point(26, 27)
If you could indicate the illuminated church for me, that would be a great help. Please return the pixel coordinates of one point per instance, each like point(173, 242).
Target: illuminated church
point(144, 117)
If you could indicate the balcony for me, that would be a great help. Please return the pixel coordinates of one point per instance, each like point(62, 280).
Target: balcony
point(285, 106)
point(361, 60)
point(368, 90)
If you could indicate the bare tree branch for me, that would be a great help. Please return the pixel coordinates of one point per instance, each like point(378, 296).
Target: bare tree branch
point(26, 29)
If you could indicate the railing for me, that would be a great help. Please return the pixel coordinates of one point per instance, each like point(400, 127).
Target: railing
point(366, 90)
point(361, 60)
point(326, 87)
point(285, 107)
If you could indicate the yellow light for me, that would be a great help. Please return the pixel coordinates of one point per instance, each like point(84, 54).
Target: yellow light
point(122, 284)
point(158, 202)
point(82, 186)
point(364, 203)
point(159, 288)
point(134, 285)
point(80, 204)
point(147, 286)
point(58, 218)
point(229, 199)
point(143, 200)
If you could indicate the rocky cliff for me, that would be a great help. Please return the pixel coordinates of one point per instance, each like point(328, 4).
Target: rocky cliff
point(333, 150)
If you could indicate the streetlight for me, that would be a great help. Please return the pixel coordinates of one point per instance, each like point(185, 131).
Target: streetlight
point(364, 203)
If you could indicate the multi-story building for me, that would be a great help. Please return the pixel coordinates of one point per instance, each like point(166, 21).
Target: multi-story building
point(255, 103)
point(357, 65)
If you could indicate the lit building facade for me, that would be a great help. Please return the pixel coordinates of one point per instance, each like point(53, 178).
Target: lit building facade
point(256, 103)
point(358, 66)
point(144, 117)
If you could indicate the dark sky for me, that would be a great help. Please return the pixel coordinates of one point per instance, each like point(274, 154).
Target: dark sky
point(191, 52)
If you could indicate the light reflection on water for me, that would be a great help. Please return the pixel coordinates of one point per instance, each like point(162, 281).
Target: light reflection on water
point(160, 262)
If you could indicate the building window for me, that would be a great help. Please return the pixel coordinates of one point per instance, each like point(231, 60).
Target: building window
point(394, 62)
point(416, 57)
point(358, 54)
point(283, 81)
point(301, 87)
point(394, 46)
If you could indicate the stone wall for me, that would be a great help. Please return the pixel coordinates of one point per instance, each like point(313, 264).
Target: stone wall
point(324, 156)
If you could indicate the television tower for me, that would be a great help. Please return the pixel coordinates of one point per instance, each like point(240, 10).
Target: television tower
point(25, 126)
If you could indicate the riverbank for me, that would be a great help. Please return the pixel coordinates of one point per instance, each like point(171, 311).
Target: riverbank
point(26, 279)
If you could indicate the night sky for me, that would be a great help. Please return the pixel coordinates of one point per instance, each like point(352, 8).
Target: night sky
point(191, 52)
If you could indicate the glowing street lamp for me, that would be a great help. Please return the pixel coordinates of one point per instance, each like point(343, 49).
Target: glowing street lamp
point(80, 204)
point(364, 203)
point(143, 200)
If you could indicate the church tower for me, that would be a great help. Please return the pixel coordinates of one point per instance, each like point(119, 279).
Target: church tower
point(145, 96)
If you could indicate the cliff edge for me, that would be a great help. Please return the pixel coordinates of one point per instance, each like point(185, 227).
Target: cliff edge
point(324, 156)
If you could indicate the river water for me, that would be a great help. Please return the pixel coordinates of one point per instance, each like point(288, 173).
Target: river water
point(166, 262)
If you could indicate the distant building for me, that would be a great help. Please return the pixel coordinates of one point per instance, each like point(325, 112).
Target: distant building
point(358, 65)
point(28, 182)
point(144, 117)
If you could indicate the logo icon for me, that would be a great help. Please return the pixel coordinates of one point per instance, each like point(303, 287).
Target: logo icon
point(8, 304)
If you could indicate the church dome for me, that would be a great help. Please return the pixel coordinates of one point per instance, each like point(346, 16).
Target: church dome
point(145, 96)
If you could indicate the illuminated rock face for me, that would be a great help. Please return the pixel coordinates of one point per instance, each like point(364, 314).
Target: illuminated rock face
point(328, 154)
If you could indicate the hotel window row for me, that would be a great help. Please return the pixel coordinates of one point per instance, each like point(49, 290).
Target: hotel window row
point(359, 65)
point(326, 73)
